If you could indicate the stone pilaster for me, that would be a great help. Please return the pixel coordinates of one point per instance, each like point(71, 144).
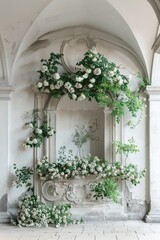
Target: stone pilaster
point(5, 93)
point(154, 153)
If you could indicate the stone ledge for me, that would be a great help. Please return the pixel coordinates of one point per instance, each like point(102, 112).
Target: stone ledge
point(4, 217)
point(153, 218)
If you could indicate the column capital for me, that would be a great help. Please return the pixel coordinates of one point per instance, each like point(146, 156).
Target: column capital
point(153, 92)
point(6, 92)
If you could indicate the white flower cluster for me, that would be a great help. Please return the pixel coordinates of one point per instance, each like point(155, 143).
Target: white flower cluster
point(48, 85)
point(33, 212)
point(32, 141)
point(87, 166)
point(38, 133)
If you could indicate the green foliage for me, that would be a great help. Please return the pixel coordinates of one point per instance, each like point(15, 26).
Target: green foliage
point(143, 82)
point(107, 188)
point(23, 176)
point(124, 148)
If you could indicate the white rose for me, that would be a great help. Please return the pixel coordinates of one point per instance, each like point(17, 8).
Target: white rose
point(74, 97)
point(67, 85)
point(71, 90)
point(81, 97)
point(34, 141)
point(111, 73)
point(81, 67)
point(39, 131)
point(97, 71)
point(90, 85)
point(115, 69)
point(52, 87)
point(56, 76)
point(39, 84)
point(44, 68)
point(94, 59)
point(92, 80)
point(46, 83)
point(79, 79)
point(88, 70)
point(120, 82)
point(118, 77)
point(90, 55)
point(39, 163)
point(94, 50)
point(78, 85)
point(50, 133)
point(85, 75)
point(57, 86)
point(60, 82)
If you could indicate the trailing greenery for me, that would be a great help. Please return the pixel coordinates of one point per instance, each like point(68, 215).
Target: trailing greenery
point(107, 188)
point(23, 176)
point(94, 78)
point(33, 212)
point(124, 148)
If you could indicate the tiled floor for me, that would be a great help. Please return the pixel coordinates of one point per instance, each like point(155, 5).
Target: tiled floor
point(121, 230)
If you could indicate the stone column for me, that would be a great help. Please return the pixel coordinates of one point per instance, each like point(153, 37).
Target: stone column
point(154, 153)
point(4, 145)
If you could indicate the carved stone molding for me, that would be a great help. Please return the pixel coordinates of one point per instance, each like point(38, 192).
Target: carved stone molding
point(154, 93)
point(75, 46)
point(75, 191)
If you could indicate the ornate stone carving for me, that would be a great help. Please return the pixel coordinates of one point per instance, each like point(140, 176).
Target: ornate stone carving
point(76, 191)
point(73, 50)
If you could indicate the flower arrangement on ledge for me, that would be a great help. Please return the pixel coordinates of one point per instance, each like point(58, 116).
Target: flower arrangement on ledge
point(94, 77)
point(87, 166)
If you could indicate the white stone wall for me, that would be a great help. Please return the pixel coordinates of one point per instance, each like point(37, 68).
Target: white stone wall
point(70, 27)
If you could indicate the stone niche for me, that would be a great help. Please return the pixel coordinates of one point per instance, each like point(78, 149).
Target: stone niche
point(65, 116)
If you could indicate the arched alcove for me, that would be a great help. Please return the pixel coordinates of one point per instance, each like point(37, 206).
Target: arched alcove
point(84, 117)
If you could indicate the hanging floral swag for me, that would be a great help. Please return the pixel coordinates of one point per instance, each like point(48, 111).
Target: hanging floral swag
point(94, 78)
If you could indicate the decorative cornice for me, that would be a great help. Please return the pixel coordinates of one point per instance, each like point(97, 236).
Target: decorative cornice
point(6, 92)
point(153, 92)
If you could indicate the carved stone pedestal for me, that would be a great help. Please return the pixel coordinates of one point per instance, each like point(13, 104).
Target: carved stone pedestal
point(77, 192)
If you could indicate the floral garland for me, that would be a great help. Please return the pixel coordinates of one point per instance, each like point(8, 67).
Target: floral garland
point(94, 77)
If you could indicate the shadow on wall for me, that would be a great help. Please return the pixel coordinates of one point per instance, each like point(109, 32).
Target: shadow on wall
point(3, 203)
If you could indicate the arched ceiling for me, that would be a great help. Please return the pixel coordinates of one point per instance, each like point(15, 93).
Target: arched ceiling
point(23, 22)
